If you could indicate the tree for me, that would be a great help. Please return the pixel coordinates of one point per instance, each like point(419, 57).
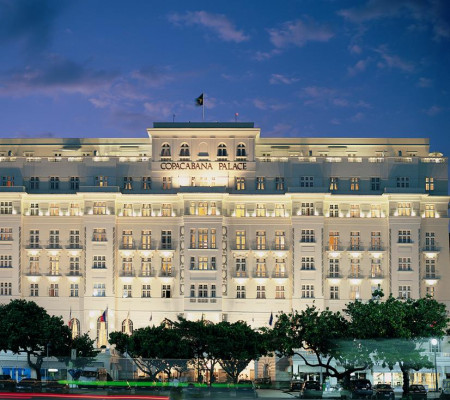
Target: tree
point(326, 335)
point(398, 329)
point(201, 337)
point(236, 344)
point(85, 354)
point(154, 349)
point(27, 328)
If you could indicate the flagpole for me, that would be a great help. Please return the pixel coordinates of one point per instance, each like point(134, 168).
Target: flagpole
point(203, 108)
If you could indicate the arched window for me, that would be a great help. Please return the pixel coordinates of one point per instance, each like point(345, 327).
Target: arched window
point(102, 338)
point(240, 151)
point(127, 326)
point(74, 326)
point(165, 150)
point(222, 150)
point(184, 150)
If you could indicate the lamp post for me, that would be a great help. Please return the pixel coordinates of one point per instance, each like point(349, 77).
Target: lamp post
point(434, 343)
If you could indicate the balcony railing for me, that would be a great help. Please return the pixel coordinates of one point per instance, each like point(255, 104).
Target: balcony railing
point(125, 273)
point(167, 272)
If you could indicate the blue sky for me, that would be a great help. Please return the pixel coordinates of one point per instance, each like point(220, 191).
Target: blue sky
point(296, 68)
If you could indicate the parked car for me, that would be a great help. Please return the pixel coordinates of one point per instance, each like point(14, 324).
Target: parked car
point(383, 391)
point(7, 384)
point(418, 392)
point(296, 386)
point(358, 389)
point(55, 387)
point(263, 383)
point(311, 390)
point(29, 385)
point(246, 388)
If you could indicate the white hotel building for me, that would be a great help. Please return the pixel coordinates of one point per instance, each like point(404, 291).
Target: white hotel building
point(210, 219)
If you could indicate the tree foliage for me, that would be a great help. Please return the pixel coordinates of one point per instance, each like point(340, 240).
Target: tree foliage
point(27, 328)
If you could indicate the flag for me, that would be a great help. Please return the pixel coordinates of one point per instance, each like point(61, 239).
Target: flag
point(151, 317)
point(70, 318)
point(271, 319)
point(199, 100)
point(104, 315)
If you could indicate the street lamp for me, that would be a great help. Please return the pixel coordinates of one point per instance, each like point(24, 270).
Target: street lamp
point(434, 343)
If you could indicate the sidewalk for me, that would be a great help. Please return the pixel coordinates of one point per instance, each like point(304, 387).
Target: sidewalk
point(275, 394)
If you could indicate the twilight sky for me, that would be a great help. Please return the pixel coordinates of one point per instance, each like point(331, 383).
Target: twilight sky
point(296, 68)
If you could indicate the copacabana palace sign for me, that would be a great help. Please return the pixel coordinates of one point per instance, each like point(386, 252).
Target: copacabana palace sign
point(221, 166)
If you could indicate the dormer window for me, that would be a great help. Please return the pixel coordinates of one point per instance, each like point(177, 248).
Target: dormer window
point(165, 151)
point(184, 151)
point(222, 152)
point(241, 152)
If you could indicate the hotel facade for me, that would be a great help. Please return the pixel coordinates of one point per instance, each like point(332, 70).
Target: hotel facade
point(211, 220)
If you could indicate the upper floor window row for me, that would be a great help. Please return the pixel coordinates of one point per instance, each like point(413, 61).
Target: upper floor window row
point(185, 153)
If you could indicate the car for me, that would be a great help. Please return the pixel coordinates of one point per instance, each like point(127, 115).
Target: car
point(221, 390)
point(358, 389)
point(418, 392)
point(383, 391)
point(7, 384)
point(246, 388)
point(29, 385)
point(52, 386)
point(311, 390)
point(295, 386)
point(263, 383)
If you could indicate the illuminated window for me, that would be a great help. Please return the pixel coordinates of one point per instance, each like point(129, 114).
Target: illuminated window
point(240, 210)
point(354, 184)
point(6, 234)
point(99, 208)
point(334, 183)
point(166, 210)
point(99, 235)
point(375, 210)
point(355, 241)
point(146, 210)
point(334, 210)
point(53, 290)
point(166, 266)
point(146, 182)
point(241, 266)
point(375, 268)
point(355, 292)
point(280, 268)
point(430, 268)
point(167, 183)
point(260, 240)
point(260, 183)
point(375, 240)
point(101, 181)
point(355, 268)
point(280, 210)
point(404, 209)
point(280, 240)
point(261, 268)
point(430, 211)
point(355, 211)
point(240, 240)
point(240, 183)
point(333, 240)
point(128, 210)
point(146, 239)
point(127, 326)
point(54, 265)
point(127, 239)
point(260, 210)
point(279, 183)
point(429, 184)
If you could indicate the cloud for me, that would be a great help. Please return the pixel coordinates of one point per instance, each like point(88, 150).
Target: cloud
point(357, 117)
point(152, 75)
point(424, 83)
point(355, 49)
point(433, 110)
point(360, 66)
point(434, 13)
point(325, 97)
point(29, 22)
point(216, 23)
point(279, 78)
point(266, 55)
point(271, 105)
point(393, 61)
point(298, 33)
point(54, 74)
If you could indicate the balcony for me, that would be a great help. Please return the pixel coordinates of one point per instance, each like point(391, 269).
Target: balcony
point(33, 245)
point(127, 246)
point(279, 275)
point(376, 275)
point(126, 273)
point(239, 246)
point(334, 275)
point(147, 273)
point(53, 246)
point(32, 273)
point(74, 273)
point(147, 246)
point(335, 249)
point(431, 276)
point(260, 274)
point(377, 248)
point(168, 273)
point(239, 274)
point(431, 249)
point(74, 246)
